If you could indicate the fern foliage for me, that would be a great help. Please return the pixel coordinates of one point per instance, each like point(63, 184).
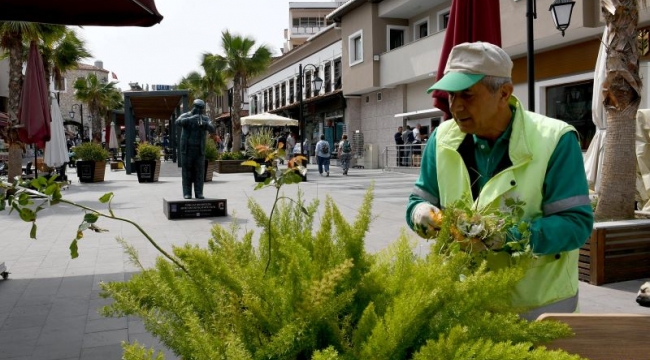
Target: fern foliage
point(321, 296)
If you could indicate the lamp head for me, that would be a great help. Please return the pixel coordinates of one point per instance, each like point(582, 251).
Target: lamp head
point(561, 12)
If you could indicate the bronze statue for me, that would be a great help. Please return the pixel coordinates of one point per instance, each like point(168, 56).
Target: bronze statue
point(194, 124)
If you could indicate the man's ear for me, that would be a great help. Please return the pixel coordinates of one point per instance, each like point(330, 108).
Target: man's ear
point(505, 92)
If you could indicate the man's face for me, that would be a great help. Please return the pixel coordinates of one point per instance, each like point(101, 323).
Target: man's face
point(400, 129)
point(475, 109)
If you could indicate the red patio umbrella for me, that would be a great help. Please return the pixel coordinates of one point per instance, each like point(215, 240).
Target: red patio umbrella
point(34, 112)
point(469, 21)
point(82, 12)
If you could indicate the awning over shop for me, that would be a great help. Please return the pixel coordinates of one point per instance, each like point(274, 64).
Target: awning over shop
point(432, 111)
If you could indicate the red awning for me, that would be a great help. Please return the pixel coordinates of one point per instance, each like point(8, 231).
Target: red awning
point(82, 12)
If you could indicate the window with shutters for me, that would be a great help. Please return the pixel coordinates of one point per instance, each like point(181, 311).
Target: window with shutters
point(327, 77)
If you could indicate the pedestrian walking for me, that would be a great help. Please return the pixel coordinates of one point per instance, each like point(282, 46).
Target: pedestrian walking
point(291, 142)
point(345, 153)
point(399, 144)
point(323, 156)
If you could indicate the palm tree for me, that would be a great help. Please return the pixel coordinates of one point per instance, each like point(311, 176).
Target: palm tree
point(100, 97)
point(240, 63)
point(62, 51)
point(622, 89)
point(192, 83)
point(213, 82)
point(12, 36)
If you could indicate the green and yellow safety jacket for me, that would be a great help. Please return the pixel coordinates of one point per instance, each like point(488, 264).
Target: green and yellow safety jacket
point(537, 160)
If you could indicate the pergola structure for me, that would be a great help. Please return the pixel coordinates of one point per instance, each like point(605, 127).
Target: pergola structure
point(162, 105)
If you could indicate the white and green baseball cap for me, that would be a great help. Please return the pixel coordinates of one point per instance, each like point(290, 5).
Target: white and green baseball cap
point(468, 63)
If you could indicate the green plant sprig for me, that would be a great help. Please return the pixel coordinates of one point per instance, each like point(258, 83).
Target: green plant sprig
point(49, 192)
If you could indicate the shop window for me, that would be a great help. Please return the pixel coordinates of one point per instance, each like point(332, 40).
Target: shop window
point(572, 103)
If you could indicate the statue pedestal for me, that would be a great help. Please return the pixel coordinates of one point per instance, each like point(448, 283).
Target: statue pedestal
point(194, 208)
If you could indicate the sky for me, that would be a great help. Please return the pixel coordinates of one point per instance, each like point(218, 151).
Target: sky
point(164, 53)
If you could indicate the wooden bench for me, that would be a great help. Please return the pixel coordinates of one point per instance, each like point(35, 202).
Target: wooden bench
point(616, 251)
point(604, 336)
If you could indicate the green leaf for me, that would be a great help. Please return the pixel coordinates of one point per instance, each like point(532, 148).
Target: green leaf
point(32, 233)
point(23, 199)
point(74, 249)
point(51, 189)
point(27, 214)
point(91, 218)
point(106, 198)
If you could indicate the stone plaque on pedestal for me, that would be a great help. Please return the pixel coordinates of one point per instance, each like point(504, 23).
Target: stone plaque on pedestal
point(195, 208)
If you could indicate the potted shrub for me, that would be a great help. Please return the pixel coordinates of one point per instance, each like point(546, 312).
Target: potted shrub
point(147, 163)
point(211, 156)
point(91, 163)
point(259, 147)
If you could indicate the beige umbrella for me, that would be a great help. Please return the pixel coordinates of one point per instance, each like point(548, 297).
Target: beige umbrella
point(268, 119)
point(56, 150)
point(112, 138)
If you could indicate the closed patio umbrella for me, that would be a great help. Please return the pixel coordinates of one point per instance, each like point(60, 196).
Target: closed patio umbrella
point(594, 154)
point(112, 137)
point(469, 21)
point(34, 112)
point(56, 150)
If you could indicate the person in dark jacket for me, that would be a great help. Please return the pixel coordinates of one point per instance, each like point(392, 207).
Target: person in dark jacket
point(399, 142)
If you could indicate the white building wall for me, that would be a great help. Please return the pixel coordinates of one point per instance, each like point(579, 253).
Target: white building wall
point(327, 54)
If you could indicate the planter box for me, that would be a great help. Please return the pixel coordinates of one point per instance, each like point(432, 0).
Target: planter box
point(147, 170)
point(91, 171)
point(210, 168)
point(231, 167)
point(616, 251)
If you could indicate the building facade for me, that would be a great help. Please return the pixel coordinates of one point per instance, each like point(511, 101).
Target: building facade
point(68, 102)
point(390, 50)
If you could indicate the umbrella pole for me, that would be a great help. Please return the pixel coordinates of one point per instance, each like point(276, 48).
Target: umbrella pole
point(35, 161)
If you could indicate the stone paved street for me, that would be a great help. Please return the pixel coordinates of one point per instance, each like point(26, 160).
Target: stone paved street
point(48, 306)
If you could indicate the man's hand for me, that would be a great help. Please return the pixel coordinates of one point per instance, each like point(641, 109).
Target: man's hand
point(426, 220)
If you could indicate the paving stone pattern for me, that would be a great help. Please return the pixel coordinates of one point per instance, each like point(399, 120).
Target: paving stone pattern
point(48, 306)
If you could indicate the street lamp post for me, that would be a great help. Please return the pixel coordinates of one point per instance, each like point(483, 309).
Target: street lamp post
point(81, 113)
point(561, 11)
point(318, 83)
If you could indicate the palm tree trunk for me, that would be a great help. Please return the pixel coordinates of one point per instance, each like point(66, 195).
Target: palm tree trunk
point(236, 107)
point(14, 164)
point(96, 125)
point(622, 89)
